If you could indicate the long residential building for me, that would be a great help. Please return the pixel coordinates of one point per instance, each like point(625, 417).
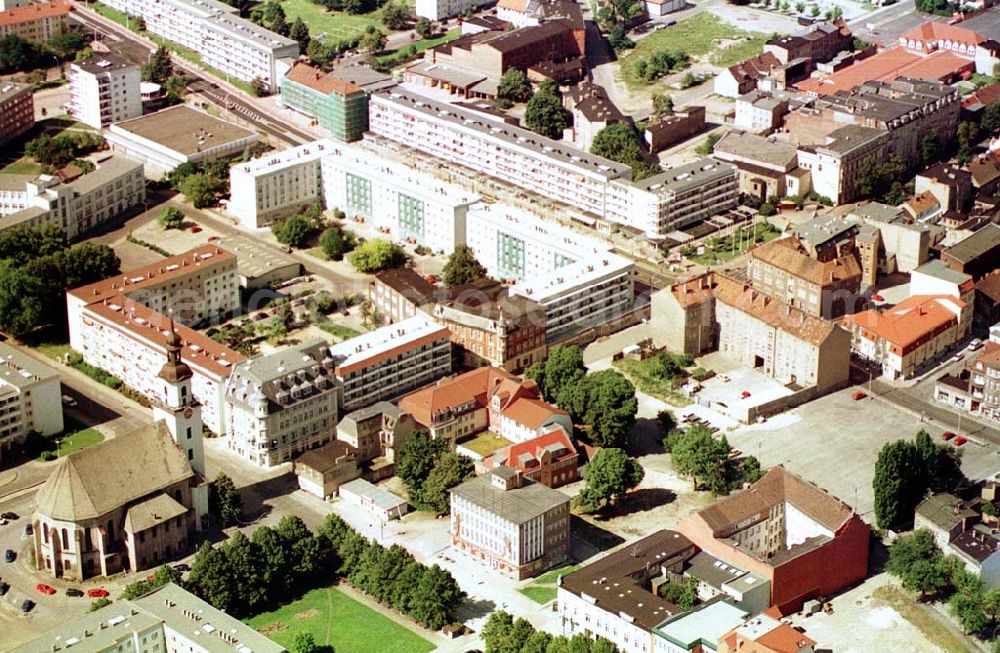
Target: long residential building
point(584, 182)
point(35, 22)
point(120, 324)
point(82, 202)
point(282, 403)
point(17, 110)
point(30, 398)
point(230, 44)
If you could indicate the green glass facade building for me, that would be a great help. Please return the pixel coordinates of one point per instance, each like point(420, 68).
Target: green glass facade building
point(336, 104)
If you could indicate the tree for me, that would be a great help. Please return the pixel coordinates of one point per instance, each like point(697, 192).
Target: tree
point(424, 27)
point(224, 502)
point(449, 470)
point(21, 307)
point(609, 476)
point(65, 44)
point(663, 105)
point(377, 255)
point(514, 86)
point(751, 470)
point(176, 86)
point(97, 604)
point(967, 607)
point(372, 40)
point(462, 267)
point(698, 454)
point(706, 148)
point(159, 67)
point(544, 114)
point(968, 136)
point(296, 230)
point(417, 458)
point(904, 471)
point(395, 15)
point(563, 367)
point(258, 87)
point(875, 177)
point(271, 15)
point(171, 217)
point(930, 149)
point(435, 598)
point(18, 55)
point(300, 32)
point(682, 593)
point(304, 642)
point(22, 243)
point(199, 189)
point(336, 242)
point(617, 142)
point(911, 558)
point(990, 121)
point(85, 263)
point(609, 407)
point(618, 39)
point(495, 630)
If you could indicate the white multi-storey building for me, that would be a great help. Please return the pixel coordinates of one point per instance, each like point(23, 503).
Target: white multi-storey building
point(577, 279)
point(104, 89)
point(30, 398)
point(226, 42)
point(390, 361)
point(114, 186)
point(410, 205)
point(581, 181)
point(277, 184)
point(120, 324)
point(444, 9)
point(282, 403)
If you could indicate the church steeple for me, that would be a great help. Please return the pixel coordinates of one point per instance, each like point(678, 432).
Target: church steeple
point(176, 404)
point(174, 370)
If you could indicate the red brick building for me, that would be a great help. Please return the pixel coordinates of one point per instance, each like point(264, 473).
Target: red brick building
point(804, 540)
point(17, 110)
point(551, 459)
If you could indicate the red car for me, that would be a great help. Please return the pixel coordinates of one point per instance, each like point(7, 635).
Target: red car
point(947, 435)
point(877, 297)
point(859, 395)
point(959, 441)
point(745, 395)
point(45, 589)
point(97, 593)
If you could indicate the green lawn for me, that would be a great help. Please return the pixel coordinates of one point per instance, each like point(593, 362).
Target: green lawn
point(338, 621)
point(75, 436)
point(485, 443)
point(318, 253)
point(543, 589)
point(726, 249)
point(22, 166)
point(696, 36)
point(335, 25)
point(639, 372)
point(419, 46)
point(339, 330)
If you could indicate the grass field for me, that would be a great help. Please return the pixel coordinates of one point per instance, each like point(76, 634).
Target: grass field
point(543, 589)
point(336, 620)
point(421, 45)
point(726, 249)
point(77, 436)
point(337, 25)
point(22, 166)
point(339, 330)
point(697, 36)
point(485, 443)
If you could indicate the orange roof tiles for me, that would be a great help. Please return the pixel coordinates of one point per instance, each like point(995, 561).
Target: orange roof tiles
point(942, 32)
point(922, 202)
point(785, 639)
point(772, 311)
point(886, 66)
point(551, 440)
point(694, 291)
point(787, 254)
point(531, 412)
point(33, 12)
point(910, 322)
point(153, 275)
point(513, 5)
point(317, 80)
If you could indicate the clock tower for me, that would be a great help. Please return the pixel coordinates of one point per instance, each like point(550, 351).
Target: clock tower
point(177, 406)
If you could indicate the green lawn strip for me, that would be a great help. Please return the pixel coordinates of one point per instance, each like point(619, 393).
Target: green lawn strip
point(695, 36)
point(23, 166)
point(339, 330)
point(420, 45)
point(730, 247)
point(336, 24)
point(337, 620)
point(80, 440)
point(543, 589)
point(317, 252)
point(485, 443)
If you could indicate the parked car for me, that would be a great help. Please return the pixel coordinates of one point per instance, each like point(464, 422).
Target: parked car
point(97, 593)
point(68, 401)
point(959, 441)
point(947, 435)
point(959, 356)
point(877, 297)
point(4, 588)
point(29, 530)
point(975, 344)
point(74, 592)
point(182, 567)
point(723, 377)
point(27, 605)
point(45, 589)
point(10, 556)
point(745, 394)
point(9, 515)
point(858, 395)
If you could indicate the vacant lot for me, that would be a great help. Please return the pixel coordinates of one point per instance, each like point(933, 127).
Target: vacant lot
point(543, 589)
point(340, 622)
point(703, 37)
point(485, 443)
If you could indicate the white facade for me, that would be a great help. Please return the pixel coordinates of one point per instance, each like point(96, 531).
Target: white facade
point(116, 185)
point(577, 279)
point(277, 184)
point(390, 361)
point(403, 202)
point(104, 89)
point(620, 628)
point(30, 398)
point(442, 9)
point(226, 42)
point(663, 7)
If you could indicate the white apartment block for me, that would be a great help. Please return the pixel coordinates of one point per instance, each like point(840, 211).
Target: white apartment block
point(30, 398)
point(390, 361)
point(116, 185)
point(282, 404)
point(277, 184)
point(577, 279)
point(226, 42)
point(104, 89)
point(403, 202)
point(444, 9)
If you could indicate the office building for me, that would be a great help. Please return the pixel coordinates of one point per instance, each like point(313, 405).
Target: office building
point(511, 524)
point(334, 103)
point(176, 135)
point(30, 399)
point(17, 110)
point(104, 89)
point(282, 404)
point(767, 167)
point(168, 619)
point(390, 361)
point(232, 45)
point(78, 202)
point(35, 22)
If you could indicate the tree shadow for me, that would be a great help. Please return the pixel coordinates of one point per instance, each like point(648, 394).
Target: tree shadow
point(641, 500)
point(593, 535)
point(474, 609)
point(256, 496)
point(647, 437)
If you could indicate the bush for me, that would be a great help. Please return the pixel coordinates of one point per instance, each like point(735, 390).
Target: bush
point(377, 255)
point(48, 455)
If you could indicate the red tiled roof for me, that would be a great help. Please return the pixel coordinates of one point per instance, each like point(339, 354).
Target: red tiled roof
point(908, 322)
point(886, 66)
point(531, 412)
point(450, 393)
point(33, 12)
point(317, 80)
point(942, 32)
point(785, 639)
point(552, 439)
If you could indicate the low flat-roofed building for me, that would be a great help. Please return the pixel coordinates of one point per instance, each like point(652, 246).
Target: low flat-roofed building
point(380, 502)
point(323, 470)
point(664, 131)
point(766, 165)
point(976, 255)
point(168, 619)
point(30, 398)
point(511, 524)
point(698, 630)
point(176, 135)
point(376, 432)
point(766, 634)
point(259, 266)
